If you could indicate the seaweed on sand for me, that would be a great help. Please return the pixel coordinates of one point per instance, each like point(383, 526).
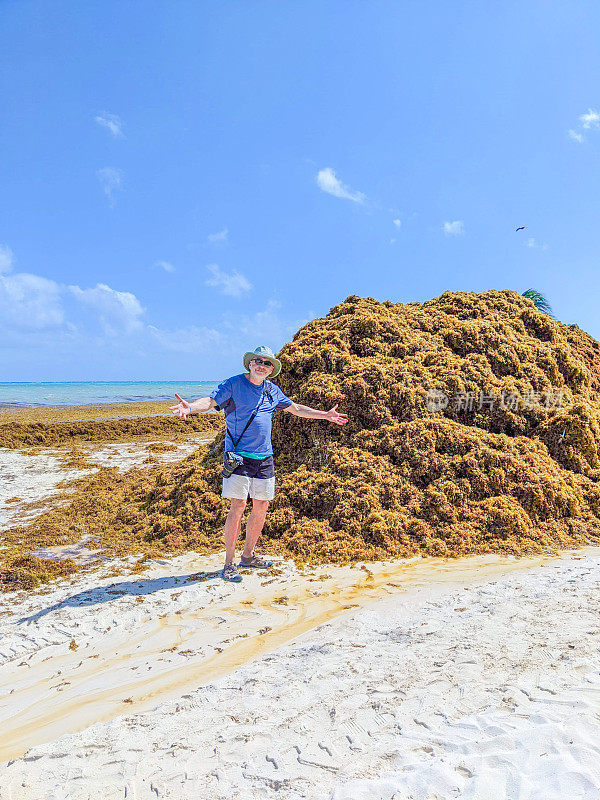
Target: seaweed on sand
point(52, 434)
point(27, 572)
point(407, 476)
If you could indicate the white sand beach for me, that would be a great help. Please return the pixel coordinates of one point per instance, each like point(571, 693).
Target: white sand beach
point(421, 680)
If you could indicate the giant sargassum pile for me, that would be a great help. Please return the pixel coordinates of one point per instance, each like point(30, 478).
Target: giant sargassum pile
point(516, 475)
point(511, 463)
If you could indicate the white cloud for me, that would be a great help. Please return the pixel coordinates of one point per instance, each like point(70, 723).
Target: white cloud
point(117, 311)
point(112, 123)
point(111, 180)
point(166, 265)
point(531, 242)
point(455, 228)
point(329, 183)
point(266, 326)
point(233, 285)
point(398, 223)
point(588, 121)
point(6, 259)
point(233, 336)
point(36, 333)
point(591, 119)
point(221, 236)
point(30, 301)
point(192, 339)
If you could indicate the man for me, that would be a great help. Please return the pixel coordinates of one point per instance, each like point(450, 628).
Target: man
point(240, 397)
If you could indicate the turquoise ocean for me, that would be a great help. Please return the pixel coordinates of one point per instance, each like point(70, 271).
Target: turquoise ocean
point(95, 392)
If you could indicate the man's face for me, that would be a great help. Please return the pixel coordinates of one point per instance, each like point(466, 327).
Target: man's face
point(261, 370)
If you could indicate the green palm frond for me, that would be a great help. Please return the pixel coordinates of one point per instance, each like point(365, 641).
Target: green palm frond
point(538, 300)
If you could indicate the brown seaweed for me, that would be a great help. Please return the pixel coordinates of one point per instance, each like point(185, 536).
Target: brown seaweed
point(404, 477)
point(53, 434)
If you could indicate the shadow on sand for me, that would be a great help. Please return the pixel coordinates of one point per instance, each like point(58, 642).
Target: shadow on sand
point(104, 594)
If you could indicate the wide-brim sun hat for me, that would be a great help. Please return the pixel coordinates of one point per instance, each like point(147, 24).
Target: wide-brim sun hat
point(263, 352)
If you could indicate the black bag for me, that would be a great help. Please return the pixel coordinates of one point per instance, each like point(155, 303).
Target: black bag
point(231, 461)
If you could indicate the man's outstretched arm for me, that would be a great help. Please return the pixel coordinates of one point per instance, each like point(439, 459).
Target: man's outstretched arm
point(333, 415)
point(202, 404)
point(183, 408)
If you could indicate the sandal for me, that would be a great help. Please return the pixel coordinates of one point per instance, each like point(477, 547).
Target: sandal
point(230, 573)
point(255, 562)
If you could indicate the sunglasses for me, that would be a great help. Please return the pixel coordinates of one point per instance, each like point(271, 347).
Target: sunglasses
point(260, 362)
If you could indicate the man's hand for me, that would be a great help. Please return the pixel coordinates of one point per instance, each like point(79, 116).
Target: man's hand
point(334, 416)
point(182, 409)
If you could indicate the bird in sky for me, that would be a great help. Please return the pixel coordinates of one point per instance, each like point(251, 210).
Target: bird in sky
point(522, 228)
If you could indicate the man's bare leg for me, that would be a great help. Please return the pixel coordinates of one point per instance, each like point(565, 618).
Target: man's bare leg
point(254, 526)
point(233, 525)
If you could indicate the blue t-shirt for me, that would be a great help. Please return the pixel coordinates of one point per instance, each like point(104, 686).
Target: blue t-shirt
point(238, 397)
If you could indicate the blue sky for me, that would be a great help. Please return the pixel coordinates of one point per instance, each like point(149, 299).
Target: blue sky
point(182, 181)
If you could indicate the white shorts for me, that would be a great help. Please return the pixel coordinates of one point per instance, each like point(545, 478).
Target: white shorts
point(240, 487)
